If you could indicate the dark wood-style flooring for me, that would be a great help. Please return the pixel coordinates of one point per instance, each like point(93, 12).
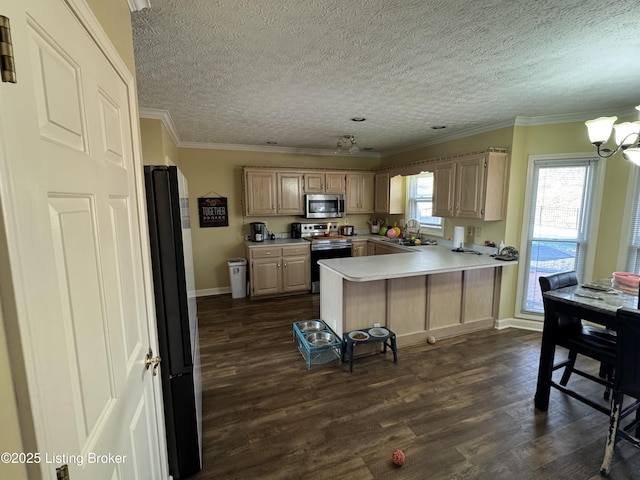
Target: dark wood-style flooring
point(459, 409)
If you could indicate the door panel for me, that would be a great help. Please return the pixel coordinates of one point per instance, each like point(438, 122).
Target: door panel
point(77, 302)
point(57, 91)
point(130, 332)
point(83, 314)
point(111, 123)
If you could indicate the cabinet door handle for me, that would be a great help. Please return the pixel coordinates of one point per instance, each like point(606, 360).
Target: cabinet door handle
point(278, 265)
point(285, 265)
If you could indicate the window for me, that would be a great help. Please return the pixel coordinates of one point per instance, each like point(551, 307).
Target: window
point(633, 253)
point(558, 223)
point(420, 202)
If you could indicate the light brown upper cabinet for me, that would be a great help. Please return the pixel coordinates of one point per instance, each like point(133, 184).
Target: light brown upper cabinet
point(271, 192)
point(359, 193)
point(260, 192)
point(320, 182)
point(389, 194)
point(471, 187)
point(290, 195)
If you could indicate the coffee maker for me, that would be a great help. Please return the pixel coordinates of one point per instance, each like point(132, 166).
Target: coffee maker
point(296, 230)
point(258, 231)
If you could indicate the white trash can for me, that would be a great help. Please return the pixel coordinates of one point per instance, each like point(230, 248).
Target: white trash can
point(238, 277)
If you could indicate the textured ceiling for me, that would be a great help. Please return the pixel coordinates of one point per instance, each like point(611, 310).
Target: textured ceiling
point(247, 72)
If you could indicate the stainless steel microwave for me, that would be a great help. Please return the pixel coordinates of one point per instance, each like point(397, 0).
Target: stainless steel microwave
point(324, 206)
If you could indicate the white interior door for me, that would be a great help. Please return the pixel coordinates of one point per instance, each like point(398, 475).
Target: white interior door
point(76, 244)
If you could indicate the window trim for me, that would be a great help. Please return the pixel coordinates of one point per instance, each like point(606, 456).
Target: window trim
point(596, 207)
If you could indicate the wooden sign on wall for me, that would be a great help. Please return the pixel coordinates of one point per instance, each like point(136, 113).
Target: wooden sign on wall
point(213, 212)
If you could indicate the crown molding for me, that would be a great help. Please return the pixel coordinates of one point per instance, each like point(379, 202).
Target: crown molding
point(165, 117)
point(273, 149)
point(454, 136)
point(574, 117)
point(137, 5)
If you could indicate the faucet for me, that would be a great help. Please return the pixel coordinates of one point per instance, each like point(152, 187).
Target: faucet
point(412, 223)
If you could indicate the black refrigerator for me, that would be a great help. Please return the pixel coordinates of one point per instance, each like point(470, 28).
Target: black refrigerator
point(174, 288)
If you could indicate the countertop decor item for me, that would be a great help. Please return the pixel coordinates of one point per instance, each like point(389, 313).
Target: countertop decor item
point(346, 230)
point(458, 237)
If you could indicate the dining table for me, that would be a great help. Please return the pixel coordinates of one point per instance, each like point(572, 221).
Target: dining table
point(596, 302)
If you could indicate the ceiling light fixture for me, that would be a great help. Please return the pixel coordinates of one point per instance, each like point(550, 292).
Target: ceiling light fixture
point(627, 137)
point(347, 143)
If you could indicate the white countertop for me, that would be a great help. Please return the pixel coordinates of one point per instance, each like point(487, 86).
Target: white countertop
point(428, 260)
point(279, 242)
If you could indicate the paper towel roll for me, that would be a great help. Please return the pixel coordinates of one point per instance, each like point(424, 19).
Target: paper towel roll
point(458, 237)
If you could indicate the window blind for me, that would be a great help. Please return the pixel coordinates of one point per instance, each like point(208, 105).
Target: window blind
point(633, 253)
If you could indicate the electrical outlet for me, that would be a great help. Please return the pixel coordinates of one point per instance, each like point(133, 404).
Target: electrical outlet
point(469, 231)
point(478, 232)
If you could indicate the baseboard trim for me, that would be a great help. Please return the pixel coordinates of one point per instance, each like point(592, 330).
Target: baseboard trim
point(212, 291)
point(519, 323)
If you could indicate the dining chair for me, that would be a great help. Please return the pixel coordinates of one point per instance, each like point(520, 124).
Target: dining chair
point(594, 342)
point(626, 382)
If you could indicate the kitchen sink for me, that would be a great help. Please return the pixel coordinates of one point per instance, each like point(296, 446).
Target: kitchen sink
point(406, 243)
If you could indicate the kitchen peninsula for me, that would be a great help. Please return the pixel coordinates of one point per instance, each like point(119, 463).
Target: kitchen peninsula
point(429, 292)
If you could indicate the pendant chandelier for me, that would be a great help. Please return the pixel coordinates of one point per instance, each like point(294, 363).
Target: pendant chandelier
point(627, 137)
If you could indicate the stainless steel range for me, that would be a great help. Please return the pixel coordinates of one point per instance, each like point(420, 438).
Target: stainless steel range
point(325, 243)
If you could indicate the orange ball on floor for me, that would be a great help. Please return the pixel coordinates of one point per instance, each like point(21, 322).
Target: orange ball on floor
point(398, 457)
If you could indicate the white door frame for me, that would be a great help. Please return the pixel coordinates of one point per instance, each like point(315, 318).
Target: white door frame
point(594, 221)
point(31, 419)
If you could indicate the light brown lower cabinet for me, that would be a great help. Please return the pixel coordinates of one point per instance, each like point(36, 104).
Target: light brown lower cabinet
point(279, 270)
point(385, 249)
point(359, 248)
